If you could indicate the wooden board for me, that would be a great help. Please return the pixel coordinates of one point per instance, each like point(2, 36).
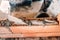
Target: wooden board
point(30, 31)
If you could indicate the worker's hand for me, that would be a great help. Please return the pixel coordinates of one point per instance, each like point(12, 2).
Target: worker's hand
point(58, 18)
